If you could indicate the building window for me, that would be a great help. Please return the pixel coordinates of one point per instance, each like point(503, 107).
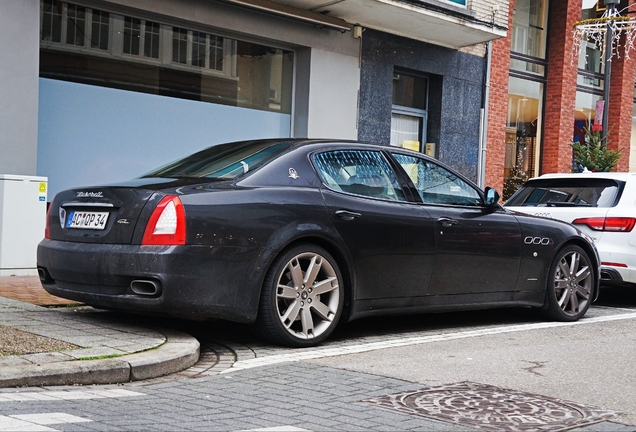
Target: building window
point(100, 29)
point(409, 115)
point(76, 25)
point(151, 39)
point(79, 25)
point(51, 14)
point(140, 33)
point(103, 48)
point(529, 28)
point(132, 35)
point(197, 49)
point(179, 45)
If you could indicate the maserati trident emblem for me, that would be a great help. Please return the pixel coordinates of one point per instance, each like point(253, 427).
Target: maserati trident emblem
point(293, 174)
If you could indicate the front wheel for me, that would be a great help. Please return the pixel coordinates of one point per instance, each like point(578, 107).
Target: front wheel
point(570, 285)
point(302, 297)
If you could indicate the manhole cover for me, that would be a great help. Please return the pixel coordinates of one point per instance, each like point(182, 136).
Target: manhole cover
point(491, 408)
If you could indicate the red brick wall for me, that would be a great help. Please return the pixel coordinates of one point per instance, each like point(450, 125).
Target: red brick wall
point(560, 88)
point(497, 110)
point(621, 102)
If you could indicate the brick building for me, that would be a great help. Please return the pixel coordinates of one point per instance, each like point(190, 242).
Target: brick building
point(542, 93)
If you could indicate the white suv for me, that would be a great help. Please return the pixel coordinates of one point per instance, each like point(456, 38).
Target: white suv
point(601, 204)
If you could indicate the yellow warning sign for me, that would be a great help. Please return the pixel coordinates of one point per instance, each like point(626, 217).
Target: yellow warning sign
point(42, 187)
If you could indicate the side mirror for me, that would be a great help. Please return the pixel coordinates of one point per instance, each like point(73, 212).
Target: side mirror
point(491, 197)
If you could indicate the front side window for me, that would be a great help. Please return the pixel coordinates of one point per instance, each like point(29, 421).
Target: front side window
point(437, 185)
point(359, 172)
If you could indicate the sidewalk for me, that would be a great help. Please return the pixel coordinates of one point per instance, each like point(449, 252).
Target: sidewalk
point(74, 344)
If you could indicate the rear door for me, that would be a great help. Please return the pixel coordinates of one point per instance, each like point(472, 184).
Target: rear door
point(390, 238)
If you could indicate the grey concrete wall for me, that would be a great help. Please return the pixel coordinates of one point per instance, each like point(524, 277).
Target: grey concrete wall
point(19, 51)
point(456, 87)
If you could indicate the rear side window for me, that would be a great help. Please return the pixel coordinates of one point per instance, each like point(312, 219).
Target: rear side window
point(223, 162)
point(585, 192)
point(359, 172)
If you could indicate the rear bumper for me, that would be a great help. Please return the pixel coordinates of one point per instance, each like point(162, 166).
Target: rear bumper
point(616, 250)
point(194, 282)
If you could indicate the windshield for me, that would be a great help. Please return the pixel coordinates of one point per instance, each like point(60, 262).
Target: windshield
point(586, 192)
point(223, 162)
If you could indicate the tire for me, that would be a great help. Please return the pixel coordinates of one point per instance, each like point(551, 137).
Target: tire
point(570, 287)
point(302, 297)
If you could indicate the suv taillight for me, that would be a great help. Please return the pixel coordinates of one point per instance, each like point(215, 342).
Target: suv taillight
point(615, 224)
point(167, 223)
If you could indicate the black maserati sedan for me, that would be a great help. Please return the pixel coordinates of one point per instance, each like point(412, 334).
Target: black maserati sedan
point(296, 236)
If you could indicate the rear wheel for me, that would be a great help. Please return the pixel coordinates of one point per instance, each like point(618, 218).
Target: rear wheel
point(570, 285)
point(302, 297)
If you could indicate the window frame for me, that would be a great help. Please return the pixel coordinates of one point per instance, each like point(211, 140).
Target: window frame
point(415, 191)
point(397, 194)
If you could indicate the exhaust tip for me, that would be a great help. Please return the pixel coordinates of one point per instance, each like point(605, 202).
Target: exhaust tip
point(145, 287)
point(44, 275)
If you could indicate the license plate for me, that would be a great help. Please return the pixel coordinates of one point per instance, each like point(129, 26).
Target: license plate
point(87, 220)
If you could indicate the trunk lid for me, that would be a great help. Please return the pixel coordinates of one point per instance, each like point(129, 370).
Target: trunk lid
point(115, 214)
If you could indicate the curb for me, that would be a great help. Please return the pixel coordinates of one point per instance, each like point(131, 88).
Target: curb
point(179, 352)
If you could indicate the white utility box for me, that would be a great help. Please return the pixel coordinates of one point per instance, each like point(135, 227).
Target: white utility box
point(22, 223)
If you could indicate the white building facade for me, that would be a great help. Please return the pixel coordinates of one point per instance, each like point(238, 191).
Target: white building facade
point(94, 91)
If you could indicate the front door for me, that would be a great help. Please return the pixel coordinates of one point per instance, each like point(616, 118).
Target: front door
point(478, 250)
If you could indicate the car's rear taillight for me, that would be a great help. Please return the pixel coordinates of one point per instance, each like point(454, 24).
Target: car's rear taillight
point(615, 224)
point(167, 223)
point(47, 230)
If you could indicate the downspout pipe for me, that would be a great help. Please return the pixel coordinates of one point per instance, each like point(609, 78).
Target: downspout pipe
point(483, 121)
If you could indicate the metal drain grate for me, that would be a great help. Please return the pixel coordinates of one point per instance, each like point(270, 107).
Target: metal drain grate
point(491, 408)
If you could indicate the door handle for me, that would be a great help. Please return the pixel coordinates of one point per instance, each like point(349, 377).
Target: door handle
point(347, 215)
point(446, 221)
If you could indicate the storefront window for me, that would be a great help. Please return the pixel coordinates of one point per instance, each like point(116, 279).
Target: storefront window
point(523, 126)
point(525, 93)
point(111, 50)
point(584, 113)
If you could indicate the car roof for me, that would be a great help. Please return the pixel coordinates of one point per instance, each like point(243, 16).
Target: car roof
point(606, 175)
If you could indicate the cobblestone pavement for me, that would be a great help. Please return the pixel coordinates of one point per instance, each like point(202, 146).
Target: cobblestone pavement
point(292, 396)
point(241, 383)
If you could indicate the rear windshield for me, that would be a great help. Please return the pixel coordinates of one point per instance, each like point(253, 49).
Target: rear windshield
point(585, 192)
point(223, 162)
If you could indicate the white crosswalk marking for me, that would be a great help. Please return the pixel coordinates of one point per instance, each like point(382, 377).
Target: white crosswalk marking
point(40, 422)
point(27, 396)
point(37, 422)
point(279, 429)
point(50, 418)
